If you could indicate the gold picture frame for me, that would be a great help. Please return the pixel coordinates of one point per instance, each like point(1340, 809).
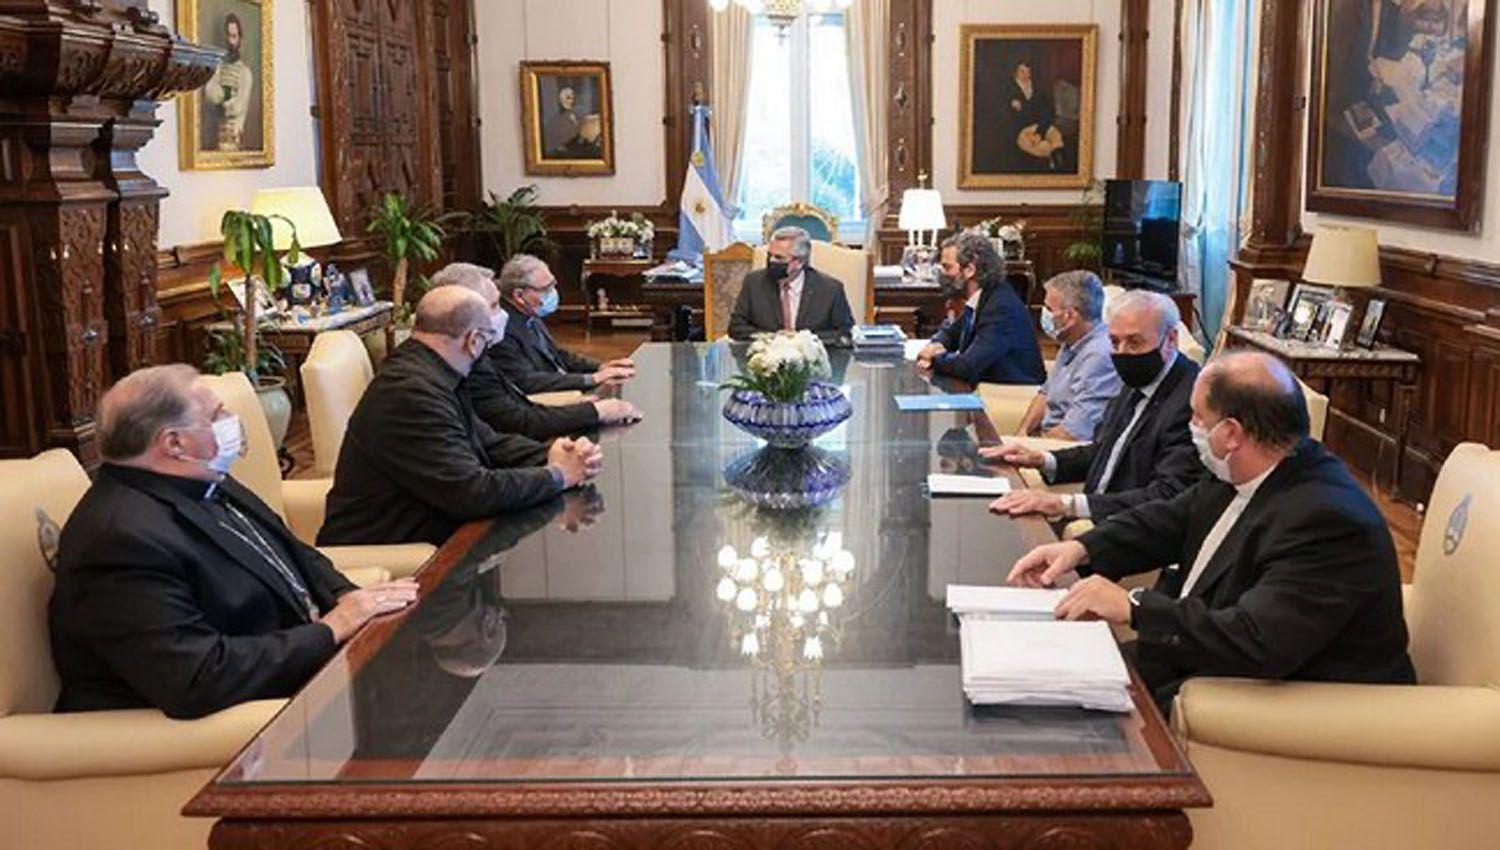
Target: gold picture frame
point(1031, 129)
point(242, 131)
point(567, 118)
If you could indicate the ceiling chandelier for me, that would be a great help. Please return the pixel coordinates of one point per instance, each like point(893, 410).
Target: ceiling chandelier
point(783, 13)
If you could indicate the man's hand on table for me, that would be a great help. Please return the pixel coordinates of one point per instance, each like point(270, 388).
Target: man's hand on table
point(617, 411)
point(1095, 598)
point(1050, 565)
point(929, 353)
point(1014, 454)
point(358, 607)
point(1023, 502)
point(614, 373)
point(578, 459)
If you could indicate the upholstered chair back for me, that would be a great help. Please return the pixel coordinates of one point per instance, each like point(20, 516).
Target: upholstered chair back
point(334, 377)
point(37, 495)
point(853, 267)
point(1317, 410)
point(818, 222)
point(1455, 633)
point(259, 468)
point(723, 277)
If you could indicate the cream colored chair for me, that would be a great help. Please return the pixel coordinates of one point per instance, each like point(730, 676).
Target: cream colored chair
point(1313, 765)
point(115, 779)
point(723, 277)
point(301, 502)
point(1317, 411)
point(854, 268)
point(334, 377)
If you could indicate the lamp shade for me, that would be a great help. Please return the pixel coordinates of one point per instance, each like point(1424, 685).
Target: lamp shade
point(922, 209)
point(305, 207)
point(1343, 256)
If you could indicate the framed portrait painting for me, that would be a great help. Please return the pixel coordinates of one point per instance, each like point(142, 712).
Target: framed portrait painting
point(1026, 109)
point(1400, 102)
point(230, 121)
point(567, 118)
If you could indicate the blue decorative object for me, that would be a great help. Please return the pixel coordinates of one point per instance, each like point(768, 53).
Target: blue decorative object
point(788, 424)
point(783, 479)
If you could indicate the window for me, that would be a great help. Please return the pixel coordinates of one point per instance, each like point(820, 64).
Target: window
point(800, 141)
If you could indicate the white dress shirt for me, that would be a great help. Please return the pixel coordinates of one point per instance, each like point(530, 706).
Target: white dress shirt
point(1243, 494)
point(795, 285)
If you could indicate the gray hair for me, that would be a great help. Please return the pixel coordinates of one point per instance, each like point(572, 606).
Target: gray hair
point(1161, 307)
point(975, 249)
point(517, 274)
point(1082, 290)
point(801, 241)
point(451, 311)
point(141, 404)
point(474, 278)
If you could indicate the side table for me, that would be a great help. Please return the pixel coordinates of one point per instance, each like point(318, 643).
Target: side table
point(625, 305)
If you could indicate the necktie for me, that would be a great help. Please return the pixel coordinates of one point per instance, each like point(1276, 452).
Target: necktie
point(544, 342)
point(788, 307)
point(966, 328)
point(1120, 433)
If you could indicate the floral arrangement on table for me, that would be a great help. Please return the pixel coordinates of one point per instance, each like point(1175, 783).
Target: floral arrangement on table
point(621, 237)
point(1009, 237)
point(779, 397)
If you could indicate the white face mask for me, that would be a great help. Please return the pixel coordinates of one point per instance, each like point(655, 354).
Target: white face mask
point(1219, 466)
point(499, 321)
point(229, 435)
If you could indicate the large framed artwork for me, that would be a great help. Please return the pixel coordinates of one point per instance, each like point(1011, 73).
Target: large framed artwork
point(1026, 108)
point(1400, 107)
point(230, 122)
point(567, 118)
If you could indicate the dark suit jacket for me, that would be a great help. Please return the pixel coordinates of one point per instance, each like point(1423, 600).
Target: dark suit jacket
point(504, 406)
point(533, 360)
point(157, 605)
point(1159, 460)
point(994, 343)
point(1305, 585)
point(417, 462)
point(824, 308)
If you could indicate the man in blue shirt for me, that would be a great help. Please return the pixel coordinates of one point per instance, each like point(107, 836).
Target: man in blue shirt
point(1083, 380)
point(992, 341)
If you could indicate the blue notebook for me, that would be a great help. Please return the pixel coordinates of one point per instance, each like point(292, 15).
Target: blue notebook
point(927, 403)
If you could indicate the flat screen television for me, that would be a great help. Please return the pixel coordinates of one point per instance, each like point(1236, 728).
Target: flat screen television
point(1140, 230)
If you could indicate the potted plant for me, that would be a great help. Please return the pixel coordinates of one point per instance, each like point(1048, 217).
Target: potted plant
point(778, 396)
point(410, 234)
point(1087, 217)
point(621, 237)
point(512, 225)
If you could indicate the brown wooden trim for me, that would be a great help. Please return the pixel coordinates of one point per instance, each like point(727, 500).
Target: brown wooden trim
point(689, 69)
point(1275, 213)
point(1130, 150)
point(1174, 132)
point(909, 126)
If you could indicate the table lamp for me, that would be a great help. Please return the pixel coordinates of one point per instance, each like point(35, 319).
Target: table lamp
point(1343, 257)
point(921, 214)
point(307, 209)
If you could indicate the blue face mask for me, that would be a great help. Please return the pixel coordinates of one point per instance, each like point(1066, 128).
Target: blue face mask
point(548, 305)
point(1049, 324)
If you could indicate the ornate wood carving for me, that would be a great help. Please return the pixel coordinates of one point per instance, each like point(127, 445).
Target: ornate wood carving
point(1130, 153)
point(910, 91)
point(688, 75)
point(1275, 204)
point(457, 116)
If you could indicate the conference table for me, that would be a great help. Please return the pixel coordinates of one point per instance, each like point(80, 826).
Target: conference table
point(620, 669)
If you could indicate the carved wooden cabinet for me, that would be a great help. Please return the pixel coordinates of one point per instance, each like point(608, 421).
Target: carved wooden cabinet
point(79, 86)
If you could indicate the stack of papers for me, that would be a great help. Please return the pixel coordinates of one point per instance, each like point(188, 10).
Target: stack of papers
point(937, 401)
point(1004, 603)
point(945, 484)
point(879, 339)
point(1037, 663)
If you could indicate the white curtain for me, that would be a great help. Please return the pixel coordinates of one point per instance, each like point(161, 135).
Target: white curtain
point(866, 28)
point(1217, 60)
point(730, 35)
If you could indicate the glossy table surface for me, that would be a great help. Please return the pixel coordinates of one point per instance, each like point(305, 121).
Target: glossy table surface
point(632, 636)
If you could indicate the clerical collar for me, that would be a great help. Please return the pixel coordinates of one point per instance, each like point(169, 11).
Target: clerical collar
point(195, 489)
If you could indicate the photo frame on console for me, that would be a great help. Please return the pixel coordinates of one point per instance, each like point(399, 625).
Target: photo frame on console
point(1306, 312)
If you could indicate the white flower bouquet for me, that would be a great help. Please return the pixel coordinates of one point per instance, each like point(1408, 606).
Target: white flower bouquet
point(637, 227)
point(781, 366)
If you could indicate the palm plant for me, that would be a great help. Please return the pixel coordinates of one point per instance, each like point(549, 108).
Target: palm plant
point(250, 247)
point(410, 234)
point(1087, 217)
point(513, 225)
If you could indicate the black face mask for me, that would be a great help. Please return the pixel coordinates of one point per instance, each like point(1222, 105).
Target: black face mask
point(1138, 370)
point(777, 271)
point(951, 286)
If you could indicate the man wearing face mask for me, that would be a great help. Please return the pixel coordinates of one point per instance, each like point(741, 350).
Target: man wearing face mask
point(1083, 380)
point(416, 462)
point(1285, 567)
point(991, 341)
point(527, 354)
point(788, 294)
point(1142, 450)
point(177, 588)
point(496, 398)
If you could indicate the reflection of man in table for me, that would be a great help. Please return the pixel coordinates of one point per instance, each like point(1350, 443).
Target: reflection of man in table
point(563, 128)
point(230, 90)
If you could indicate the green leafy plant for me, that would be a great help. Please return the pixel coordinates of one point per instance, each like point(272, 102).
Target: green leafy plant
point(781, 366)
point(410, 234)
point(512, 225)
point(1087, 217)
point(249, 245)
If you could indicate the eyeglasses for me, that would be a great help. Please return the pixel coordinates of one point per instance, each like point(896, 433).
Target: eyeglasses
point(551, 284)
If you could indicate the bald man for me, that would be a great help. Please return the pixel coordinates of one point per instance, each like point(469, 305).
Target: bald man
point(1276, 566)
point(177, 588)
point(416, 462)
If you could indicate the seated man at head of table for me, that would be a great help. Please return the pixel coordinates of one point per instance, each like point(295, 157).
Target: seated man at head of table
point(1083, 380)
point(1142, 450)
point(789, 294)
point(527, 354)
point(992, 340)
point(1286, 569)
point(417, 462)
point(496, 398)
point(177, 588)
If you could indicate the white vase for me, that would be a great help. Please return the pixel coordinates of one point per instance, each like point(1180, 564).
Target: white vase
point(277, 406)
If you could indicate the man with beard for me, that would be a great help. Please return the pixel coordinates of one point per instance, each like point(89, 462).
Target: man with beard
point(227, 96)
point(992, 340)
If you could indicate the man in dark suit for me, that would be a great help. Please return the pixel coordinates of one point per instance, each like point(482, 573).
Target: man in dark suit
point(417, 462)
point(499, 402)
point(177, 588)
point(1285, 567)
point(789, 294)
point(527, 354)
point(992, 340)
point(1142, 450)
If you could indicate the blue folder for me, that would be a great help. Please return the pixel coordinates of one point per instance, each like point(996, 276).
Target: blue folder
point(928, 403)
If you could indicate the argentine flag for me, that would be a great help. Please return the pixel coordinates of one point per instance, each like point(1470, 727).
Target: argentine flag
point(703, 218)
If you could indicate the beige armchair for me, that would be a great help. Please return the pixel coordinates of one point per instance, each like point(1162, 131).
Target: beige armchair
point(301, 502)
point(723, 277)
point(1313, 765)
point(115, 779)
point(854, 268)
point(334, 377)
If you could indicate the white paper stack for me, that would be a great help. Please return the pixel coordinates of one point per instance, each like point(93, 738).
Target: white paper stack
point(945, 484)
point(878, 339)
point(1004, 603)
point(1039, 663)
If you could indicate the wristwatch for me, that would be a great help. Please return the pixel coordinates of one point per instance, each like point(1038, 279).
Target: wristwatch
point(1135, 597)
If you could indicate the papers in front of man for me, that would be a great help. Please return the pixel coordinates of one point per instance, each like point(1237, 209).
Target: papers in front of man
point(1043, 663)
point(878, 339)
point(946, 484)
point(675, 270)
point(1004, 603)
point(938, 402)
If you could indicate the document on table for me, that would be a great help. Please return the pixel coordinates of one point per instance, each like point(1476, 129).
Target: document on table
point(945, 484)
point(1055, 663)
point(1029, 603)
point(937, 402)
point(913, 347)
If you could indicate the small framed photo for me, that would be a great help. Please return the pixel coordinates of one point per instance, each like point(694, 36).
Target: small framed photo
point(1264, 308)
point(265, 300)
point(359, 283)
point(1306, 311)
point(1336, 324)
point(1374, 312)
